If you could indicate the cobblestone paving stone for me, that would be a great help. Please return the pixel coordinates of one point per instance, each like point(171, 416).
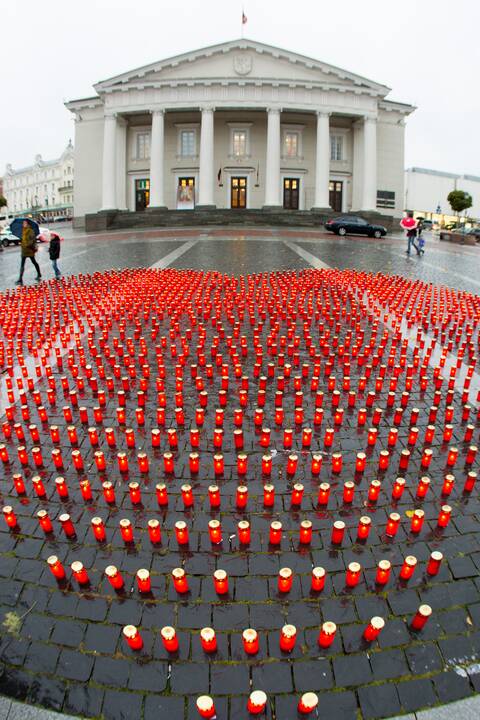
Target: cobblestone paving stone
point(61, 645)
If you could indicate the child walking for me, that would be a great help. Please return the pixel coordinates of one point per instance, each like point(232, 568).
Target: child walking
point(54, 252)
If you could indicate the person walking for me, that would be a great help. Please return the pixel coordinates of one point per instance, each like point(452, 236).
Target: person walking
point(421, 239)
point(409, 224)
point(54, 253)
point(28, 248)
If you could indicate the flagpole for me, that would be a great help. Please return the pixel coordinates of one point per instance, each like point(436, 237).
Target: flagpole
point(242, 23)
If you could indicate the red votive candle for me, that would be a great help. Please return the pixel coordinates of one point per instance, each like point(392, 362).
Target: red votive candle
point(326, 635)
point(297, 495)
point(360, 462)
point(45, 522)
point(194, 462)
point(364, 525)
point(162, 494)
point(422, 487)
point(169, 638)
point(288, 637)
point(373, 629)
point(85, 489)
point(393, 523)
point(417, 521)
point(10, 517)
point(168, 463)
point(242, 463)
point(422, 615)
point(114, 577)
point(181, 532)
point(323, 493)
point(61, 487)
point(257, 702)
point(154, 531)
point(56, 567)
point(187, 496)
point(268, 495)
point(434, 562)
point(398, 488)
point(215, 531)
point(318, 579)
point(79, 573)
point(285, 579)
point(108, 492)
point(143, 581)
point(470, 481)
point(67, 525)
point(250, 641)
point(352, 576)
point(338, 531)
point(122, 460)
point(126, 530)
point(307, 703)
point(275, 532)
point(374, 490)
point(206, 707)
point(19, 484)
point(243, 529)
point(306, 532)
point(316, 464)
point(348, 491)
point(133, 637)
point(383, 572)
point(444, 516)
point(208, 639)
point(408, 567)
point(180, 581)
point(241, 497)
point(98, 529)
point(220, 582)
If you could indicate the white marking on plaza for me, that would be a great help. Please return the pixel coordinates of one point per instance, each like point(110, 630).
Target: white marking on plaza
point(174, 255)
point(434, 360)
point(308, 257)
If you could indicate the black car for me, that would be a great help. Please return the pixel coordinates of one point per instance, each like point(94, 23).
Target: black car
point(354, 225)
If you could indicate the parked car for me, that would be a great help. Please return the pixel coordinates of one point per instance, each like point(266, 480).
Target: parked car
point(427, 224)
point(472, 231)
point(7, 238)
point(354, 225)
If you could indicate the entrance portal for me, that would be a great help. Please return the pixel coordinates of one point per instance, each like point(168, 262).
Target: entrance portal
point(142, 194)
point(290, 193)
point(238, 193)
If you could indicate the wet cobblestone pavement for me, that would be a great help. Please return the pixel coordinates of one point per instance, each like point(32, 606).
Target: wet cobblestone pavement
point(162, 346)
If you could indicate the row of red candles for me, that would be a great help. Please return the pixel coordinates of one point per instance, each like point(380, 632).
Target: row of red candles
point(285, 577)
point(243, 527)
point(218, 460)
point(297, 491)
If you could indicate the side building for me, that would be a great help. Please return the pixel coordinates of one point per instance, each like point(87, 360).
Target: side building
point(426, 193)
point(237, 126)
point(44, 189)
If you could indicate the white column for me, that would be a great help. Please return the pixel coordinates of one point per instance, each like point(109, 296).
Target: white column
point(322, 161)
point(272, 179)
point(205, 191)
point(121, 163)
point(109, 180)
point(157, 159)
point(369, 190)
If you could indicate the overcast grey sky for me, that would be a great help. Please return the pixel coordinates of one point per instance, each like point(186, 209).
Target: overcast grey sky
point(427, 51)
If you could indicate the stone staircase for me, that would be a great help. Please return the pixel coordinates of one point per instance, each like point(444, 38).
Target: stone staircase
point(115, 220)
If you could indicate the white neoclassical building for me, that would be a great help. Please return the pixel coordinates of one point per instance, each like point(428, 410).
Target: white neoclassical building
point(44, 188)
point(239, 125)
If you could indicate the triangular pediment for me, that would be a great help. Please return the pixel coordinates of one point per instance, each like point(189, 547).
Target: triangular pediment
point(245, 61)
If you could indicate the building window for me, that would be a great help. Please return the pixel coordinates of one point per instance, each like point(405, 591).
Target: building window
point(187, 143)
point(143, 146)
point(239, 143)
point(336, 147)
point(385, 199)
point(291, 145)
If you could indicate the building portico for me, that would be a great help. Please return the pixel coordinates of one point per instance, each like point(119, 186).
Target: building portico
point(249, 127)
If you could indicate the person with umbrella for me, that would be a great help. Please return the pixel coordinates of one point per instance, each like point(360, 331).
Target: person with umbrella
point(28, 247)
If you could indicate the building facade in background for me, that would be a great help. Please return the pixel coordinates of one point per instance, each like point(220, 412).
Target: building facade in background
point(239, 125)
point(44, 189)
point(426, 193)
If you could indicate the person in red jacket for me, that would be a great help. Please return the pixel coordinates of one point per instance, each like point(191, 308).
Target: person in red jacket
point(409, 224)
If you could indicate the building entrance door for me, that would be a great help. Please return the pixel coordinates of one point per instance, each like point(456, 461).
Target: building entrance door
point(142, 194)
point(335, 195)
point(238, 193)
point(290, 193)
point(186, 193)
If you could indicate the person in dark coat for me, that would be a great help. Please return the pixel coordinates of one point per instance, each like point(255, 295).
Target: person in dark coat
point(28, 248)
point(54, 253)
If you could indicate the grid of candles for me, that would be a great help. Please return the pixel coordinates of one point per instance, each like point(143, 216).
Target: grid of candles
point(256, 704)
point(287, 635)
point(220, 580)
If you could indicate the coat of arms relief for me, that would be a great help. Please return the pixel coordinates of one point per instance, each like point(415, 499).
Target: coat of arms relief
point(242, 64)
